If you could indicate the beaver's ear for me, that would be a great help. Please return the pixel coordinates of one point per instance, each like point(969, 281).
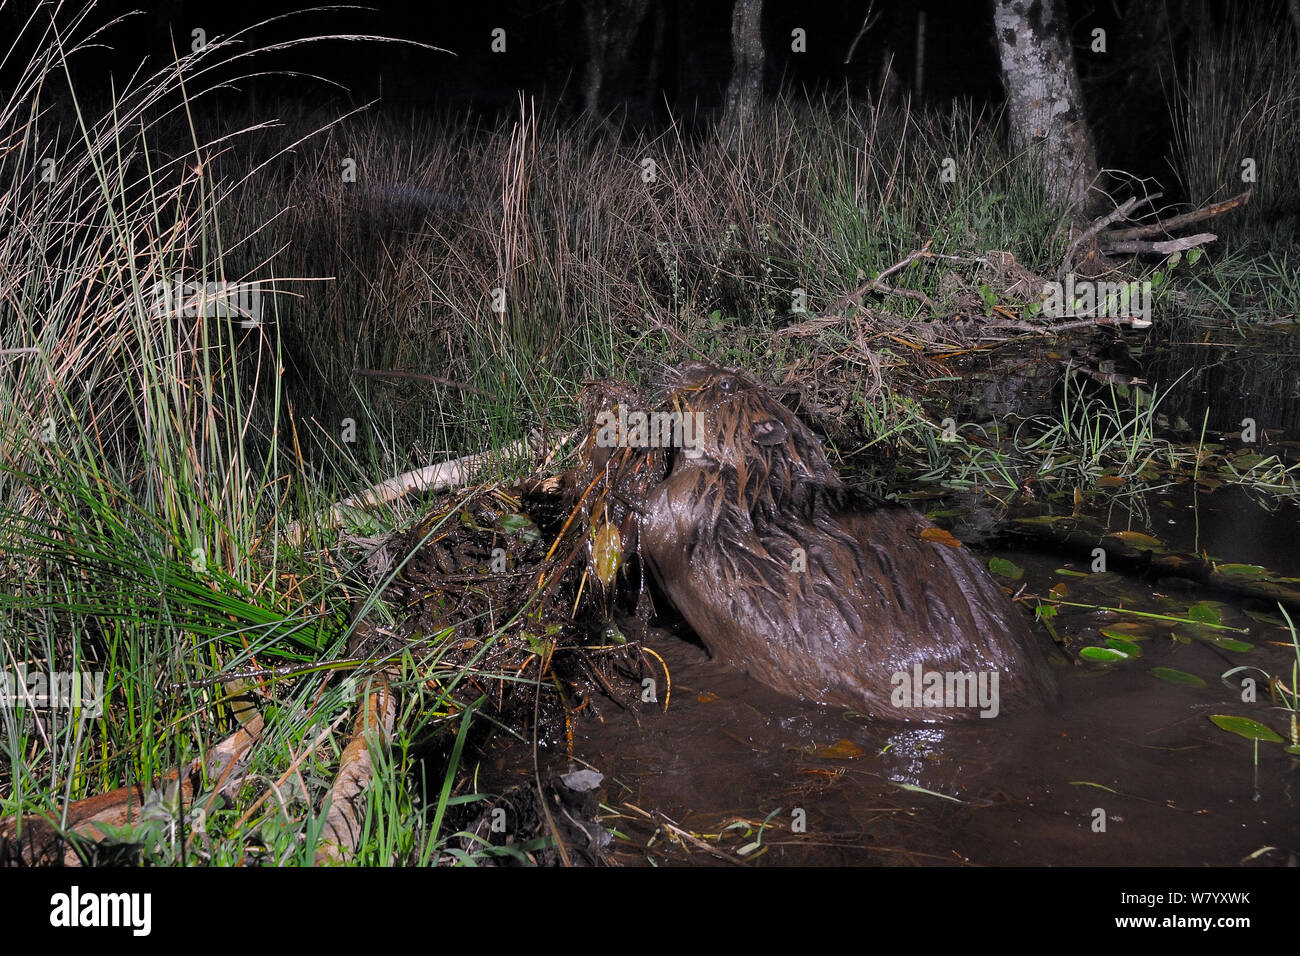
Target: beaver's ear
point(769, 431)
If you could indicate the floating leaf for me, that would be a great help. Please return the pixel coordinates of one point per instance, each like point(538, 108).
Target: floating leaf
point(1128, 631)
point(1110, 481)
point(1059, 591)
point(1127, 648)
point(1173, 676)
point(607, 552)
point(1227, 643)
point(1103, 655)
point(924, 494)
point(1244, 570)
point(1041, 520)
point(1006, 569)
point(939, 536)
point(1274, 619)
point(947, 513)
point(1136, 539)
point(1245, 727)
point(842, 749)
point(1204, 613)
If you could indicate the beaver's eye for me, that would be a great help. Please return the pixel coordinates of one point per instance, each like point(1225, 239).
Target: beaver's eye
point(727, 384)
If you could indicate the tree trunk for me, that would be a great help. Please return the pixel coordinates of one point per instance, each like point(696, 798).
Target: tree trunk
point(612, 27)
point(745, 90)
point(1044, 105)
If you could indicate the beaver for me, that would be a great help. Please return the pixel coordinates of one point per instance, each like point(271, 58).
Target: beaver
point(819, 591)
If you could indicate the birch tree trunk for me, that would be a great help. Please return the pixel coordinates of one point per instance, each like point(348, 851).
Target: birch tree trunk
point(745, 89)
point(1044, 104)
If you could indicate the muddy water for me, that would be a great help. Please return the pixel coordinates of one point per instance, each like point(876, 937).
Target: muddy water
point(1128, 769)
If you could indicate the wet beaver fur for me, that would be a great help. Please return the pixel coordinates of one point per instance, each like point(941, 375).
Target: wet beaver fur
point(865, 600)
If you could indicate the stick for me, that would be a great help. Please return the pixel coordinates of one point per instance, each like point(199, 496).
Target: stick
point(877, 284)
point(1137, 232)
point(435, 478)
point(1165, 247)
point(1136, 321)
point(1119, 212)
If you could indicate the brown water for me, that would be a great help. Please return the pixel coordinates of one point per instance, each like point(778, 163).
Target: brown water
point(1128, 769)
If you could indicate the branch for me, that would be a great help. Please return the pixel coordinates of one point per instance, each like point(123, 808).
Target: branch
point(1196, 215)
point(877, 284)
point(1119, 212)
point(1165, 247)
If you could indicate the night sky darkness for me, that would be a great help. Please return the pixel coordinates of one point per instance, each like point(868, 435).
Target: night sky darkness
point(546, 57)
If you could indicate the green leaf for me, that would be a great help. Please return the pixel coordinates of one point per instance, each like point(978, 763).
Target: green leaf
point(1244, 570)
point(1103, 655)
point(1204, 613)
point(1273, 619)
point(1245, 727)
point(1127, 648)
point(1182, 678)
point(1006, 569)
point(1041, 520)
point(1227, 643)
point(1194, 255)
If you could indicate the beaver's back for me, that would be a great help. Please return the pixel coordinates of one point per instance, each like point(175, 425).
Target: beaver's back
point(815, 591)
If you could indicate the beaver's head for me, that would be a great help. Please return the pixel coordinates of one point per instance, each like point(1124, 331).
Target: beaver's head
point(731, 423)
